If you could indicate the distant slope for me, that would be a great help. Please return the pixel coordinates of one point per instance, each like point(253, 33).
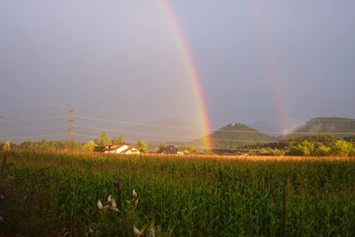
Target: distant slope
point(236, 134)
point(341, 127)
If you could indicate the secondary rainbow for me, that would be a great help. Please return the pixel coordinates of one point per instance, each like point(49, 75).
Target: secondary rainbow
point(191, 71)
point(274, 72)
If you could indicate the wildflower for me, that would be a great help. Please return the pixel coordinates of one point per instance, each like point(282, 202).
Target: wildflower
point(90, 230)
point(115, 209)
point(136, 232)
point(151, 232)
point(12, 177)
point(99, 205)
point(109, 200)
point(1, 219)
point(1, 196)
point(111, 205)
point(134, 198)
point(134, 193)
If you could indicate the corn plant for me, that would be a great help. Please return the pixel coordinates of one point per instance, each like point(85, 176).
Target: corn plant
point(178, 196)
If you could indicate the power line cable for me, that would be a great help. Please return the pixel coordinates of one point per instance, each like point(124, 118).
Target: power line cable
point(91, 136)
point(235, 140)
point(31, 119)
point(216, 130)
point(135, 123)
point(153, 125)
point(192, 138)
point(35, 136)
point(128, 132)
point(32, 128)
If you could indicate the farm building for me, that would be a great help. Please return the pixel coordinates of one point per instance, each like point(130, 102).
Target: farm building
point(170, 150)
point(118, 149)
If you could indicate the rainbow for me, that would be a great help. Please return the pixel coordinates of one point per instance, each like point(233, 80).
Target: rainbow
point(274, 72)
point(191, 71)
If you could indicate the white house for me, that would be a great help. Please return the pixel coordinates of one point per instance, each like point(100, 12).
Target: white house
point(120, 149)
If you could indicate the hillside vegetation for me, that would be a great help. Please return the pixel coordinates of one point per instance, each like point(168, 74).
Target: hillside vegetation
point(236, 135)
point(340, 127)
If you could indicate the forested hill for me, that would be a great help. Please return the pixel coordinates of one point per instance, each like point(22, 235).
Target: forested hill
point(236, 135)
point(340, 127)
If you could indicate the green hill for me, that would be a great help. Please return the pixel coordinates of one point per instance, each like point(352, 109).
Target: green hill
point(236, 135)
point(340, 127)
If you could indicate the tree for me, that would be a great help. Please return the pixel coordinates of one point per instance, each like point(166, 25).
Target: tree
point(142, 146)
point(322, 150)
point(352, 152)
point(121, 140)
point(104, 139)
point(264, 151)
point(277, 152)
point(342, 148)
point(233, 148)
point(90, 146)
point(118, 141)
point(96, 141)
point(303, 149)
point(189, 149)
point(162, 146)
point(114, 141)
point(5, 146)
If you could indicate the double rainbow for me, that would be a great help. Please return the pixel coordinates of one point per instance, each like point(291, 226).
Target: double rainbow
point(191, 72)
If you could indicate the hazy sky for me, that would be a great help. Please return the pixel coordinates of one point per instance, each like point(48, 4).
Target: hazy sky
point(278, 61)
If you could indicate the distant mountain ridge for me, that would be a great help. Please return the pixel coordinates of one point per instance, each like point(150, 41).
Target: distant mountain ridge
point(235, 135)
point(336, 126)
point(177, 132)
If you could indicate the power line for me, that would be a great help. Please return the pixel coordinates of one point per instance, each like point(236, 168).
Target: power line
point(154, 134)
point(149, 125)
point(32, 128)
point(211, 129)
point(340, 119)
point(234, 140)
point(184, 127)
point(30, 119)
point(135, 123)
point(71, 125)
point(35, 136)
point(128, 132)
point(192, 138)
point(91, 136)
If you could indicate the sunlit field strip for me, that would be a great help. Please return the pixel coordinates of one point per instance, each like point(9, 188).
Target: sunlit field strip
point(202, 157)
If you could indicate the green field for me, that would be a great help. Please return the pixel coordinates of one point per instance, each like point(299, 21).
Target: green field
point(56, 194)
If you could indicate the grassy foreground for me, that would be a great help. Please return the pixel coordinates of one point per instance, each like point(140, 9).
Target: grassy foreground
point(48, 194)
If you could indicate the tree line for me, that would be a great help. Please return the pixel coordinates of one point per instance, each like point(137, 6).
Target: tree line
point(68, 145)
point(319, 145)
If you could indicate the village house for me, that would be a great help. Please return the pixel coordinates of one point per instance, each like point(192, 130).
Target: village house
point(170, 150)
point(118, 149)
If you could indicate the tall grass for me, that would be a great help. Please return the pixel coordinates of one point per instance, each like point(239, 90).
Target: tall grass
point(182, 196)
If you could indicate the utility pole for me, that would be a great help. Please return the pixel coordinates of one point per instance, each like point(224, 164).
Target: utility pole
point(71, 125)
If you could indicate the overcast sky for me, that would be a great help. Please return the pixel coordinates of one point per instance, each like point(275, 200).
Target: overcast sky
point(283, 62)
